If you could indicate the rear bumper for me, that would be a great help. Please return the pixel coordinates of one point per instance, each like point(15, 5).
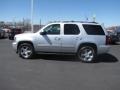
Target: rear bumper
point(103, 49)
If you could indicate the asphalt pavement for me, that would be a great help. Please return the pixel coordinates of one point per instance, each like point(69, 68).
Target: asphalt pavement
point(58, 72)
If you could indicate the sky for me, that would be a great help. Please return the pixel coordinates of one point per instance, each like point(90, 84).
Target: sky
point(106, 11)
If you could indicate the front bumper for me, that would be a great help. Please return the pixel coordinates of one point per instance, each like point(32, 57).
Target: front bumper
point(14, 45)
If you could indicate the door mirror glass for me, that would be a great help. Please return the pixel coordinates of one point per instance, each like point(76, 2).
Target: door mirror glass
point(43, 33)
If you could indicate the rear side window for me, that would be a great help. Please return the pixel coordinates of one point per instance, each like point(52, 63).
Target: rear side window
point(71, 29)
point(93, 29)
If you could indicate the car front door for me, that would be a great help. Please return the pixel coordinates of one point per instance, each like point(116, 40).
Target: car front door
point(50, 39)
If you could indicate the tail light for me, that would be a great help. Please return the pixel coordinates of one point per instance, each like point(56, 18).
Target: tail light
point(108, 40)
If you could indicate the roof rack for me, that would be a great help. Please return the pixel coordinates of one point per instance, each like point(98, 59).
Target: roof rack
point(72, 21)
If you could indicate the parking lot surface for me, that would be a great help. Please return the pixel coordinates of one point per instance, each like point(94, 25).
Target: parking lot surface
point(58, 72)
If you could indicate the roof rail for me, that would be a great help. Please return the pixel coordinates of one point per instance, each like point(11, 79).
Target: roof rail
point(72, 21)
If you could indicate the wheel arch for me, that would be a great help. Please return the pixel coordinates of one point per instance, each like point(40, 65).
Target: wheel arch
point(21, 42)
point(88, 44)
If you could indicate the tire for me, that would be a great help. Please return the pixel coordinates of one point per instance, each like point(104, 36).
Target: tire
point(0, 35)
point(86, 54)
point(26, 51)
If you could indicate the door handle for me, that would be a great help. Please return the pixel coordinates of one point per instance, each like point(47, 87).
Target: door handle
point(78, 38)
point(56, 38)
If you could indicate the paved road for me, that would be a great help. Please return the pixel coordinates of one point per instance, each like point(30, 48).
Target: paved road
point(49, 72)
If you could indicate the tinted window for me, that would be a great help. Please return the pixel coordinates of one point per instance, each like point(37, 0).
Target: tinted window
point(53, 29)
point(93, 29)
point(71, 29)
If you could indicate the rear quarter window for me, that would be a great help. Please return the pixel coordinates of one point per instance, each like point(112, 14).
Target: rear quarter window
point(93, 29)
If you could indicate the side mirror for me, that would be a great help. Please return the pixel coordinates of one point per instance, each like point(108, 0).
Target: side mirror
point(43, 33)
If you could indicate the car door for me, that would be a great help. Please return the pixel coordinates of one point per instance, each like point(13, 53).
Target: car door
point(70, 37)
point(50, 39)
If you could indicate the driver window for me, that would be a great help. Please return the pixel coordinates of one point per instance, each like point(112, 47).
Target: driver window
point(52, 29)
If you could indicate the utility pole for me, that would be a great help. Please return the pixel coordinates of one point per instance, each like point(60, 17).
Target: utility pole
point(40, 24)
point(23, 25)
point(32, 2)
point(23, 22)
point(14, 22)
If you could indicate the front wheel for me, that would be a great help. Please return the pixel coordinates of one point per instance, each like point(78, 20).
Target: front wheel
point(26, 51)
point(86, 54)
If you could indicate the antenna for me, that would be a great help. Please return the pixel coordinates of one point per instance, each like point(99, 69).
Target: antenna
point(94, 17)
point(32, 2)
point(86, 18)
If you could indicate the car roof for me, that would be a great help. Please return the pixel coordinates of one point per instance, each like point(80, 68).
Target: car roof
point(74, 22)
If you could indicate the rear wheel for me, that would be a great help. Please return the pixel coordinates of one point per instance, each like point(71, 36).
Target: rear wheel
point(26, 51)
point(86, 54)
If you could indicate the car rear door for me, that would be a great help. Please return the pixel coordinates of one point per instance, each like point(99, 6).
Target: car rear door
point(70, 37)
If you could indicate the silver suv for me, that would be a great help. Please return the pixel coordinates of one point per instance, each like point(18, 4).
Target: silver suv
point(84, 39)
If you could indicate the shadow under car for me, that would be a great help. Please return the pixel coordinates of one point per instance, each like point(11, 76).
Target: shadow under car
point(105, 58)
